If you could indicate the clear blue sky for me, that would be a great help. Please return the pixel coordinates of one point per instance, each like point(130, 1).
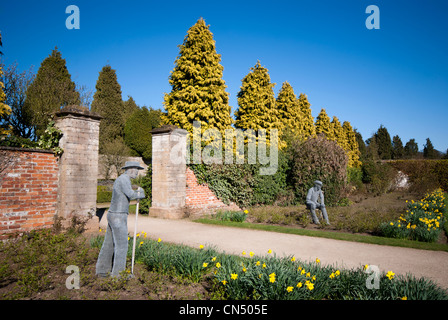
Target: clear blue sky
point(396, 76)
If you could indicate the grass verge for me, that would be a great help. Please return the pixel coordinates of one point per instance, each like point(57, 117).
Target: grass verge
point(330, 235)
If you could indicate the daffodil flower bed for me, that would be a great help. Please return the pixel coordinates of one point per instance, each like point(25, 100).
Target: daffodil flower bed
point(250, 276)
point(423, 220)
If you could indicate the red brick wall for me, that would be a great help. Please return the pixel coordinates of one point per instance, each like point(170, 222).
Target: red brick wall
point(199, 198)
point(28, 190)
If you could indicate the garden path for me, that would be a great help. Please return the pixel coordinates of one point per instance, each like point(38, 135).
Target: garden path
point(345, 254)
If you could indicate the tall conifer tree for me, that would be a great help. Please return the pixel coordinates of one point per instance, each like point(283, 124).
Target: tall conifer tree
point(257, 109)
point(256, 101)
point(107, 101)
point(384, 142)
point(397, 148)
point(289, 112)
point(353, 150)
point(428, 150)
point(51, 89)
point(323, 125)
point(308, 127)
point(198, 90)
point(338, 133)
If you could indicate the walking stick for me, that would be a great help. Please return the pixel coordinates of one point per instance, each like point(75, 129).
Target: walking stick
point(135, 235)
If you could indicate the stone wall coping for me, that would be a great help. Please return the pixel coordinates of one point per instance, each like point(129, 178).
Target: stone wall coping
point(78, 111)
point(167, 128)
point(26, 149)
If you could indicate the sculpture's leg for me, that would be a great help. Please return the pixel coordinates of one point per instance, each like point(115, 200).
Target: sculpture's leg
point(119, 224)
point(324, 213)
point(104, 263)
point(312, 208)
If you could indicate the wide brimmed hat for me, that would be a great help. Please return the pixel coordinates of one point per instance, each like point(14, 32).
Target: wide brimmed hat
point(132, 164)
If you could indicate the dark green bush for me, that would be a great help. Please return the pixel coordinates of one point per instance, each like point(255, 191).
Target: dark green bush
point(377, 176)
point(146, 183)
point(103, 194)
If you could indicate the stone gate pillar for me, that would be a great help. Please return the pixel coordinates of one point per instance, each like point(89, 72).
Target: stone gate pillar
point(78, 167)
point(168, 172)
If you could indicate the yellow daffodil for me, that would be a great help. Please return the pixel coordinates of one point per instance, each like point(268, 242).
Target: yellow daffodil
point(293, 259)
point(204, 265)
point(218, 265)
point(257, 263)
point(332, 275)
point(224, 282)
point(159, 240)
point(390, 275)
point(234, 276)
point(269, 251)
point(213, 259)
point(310, 286)
point(251, 254)
point(289, 289)
point(404, 298)
point(243, 253)
point(299, 285)
point(317, 260)
point(201, 246)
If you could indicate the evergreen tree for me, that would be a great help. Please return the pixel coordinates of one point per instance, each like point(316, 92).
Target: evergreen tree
point(323, 125)
point(446, 155)
point(290, 114)
point(397, 148)
point(428, 150)
point(308, 121)
point(108, 103)
point(353, 150)
point(361, 146)
point(129, 107)
point(384, 143)
point(137, 131)
point(339, 133)
point(198, 90)
point(51, 89)
point(372, 148)
point(411, 149)
point(256, 101)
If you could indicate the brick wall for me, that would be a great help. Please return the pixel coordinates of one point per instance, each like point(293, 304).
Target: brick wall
point(200, 199)
point(28, 190)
